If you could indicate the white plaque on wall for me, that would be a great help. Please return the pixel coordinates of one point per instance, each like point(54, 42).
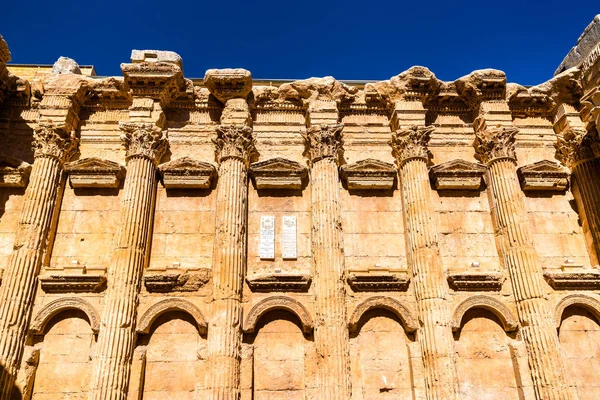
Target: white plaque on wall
point(289, 238)
point(267, 237)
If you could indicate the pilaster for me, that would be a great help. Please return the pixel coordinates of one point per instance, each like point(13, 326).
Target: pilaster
point(234, 151)
point(495, 147)
point(431, 290)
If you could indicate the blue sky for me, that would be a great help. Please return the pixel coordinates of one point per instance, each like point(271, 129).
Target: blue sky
point(303, 38)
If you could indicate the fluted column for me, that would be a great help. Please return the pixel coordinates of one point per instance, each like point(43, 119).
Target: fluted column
point(324, 142)
point(425, 261)
point(495, 147)
point(52, 146)
point(235, 147)
point(146, 144)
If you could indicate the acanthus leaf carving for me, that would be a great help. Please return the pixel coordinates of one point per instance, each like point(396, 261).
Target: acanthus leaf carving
point(494, 142)
point(457, 175)
point(50, 140)
point(235, 141)
point(543, 175)
point(323, 141)
point(145, 140)
point(369, 174)
point(576, 145)
point(411, 142)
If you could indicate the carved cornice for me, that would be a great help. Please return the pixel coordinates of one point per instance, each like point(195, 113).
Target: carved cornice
point(323, 141)
point(543, 175)
point(278, 173)
point(54, 141)
point(494, 142)
point(481, 85)
point(145, 140)
point(235, 141)
point(369, 174)
point(395, 280)
point(13, 172)
point(409, 143)
point(580, 280)
point(186, 173)
point(457, 175)
point(476, 281)
point(226, 84)
point(576, 145)
point(72, 283)
point(160, 81)
point(279, 282)
point(94, 172)
point(176, 282)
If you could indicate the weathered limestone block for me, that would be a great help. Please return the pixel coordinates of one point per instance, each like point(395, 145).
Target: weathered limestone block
point(424, 259)
point(66, 65)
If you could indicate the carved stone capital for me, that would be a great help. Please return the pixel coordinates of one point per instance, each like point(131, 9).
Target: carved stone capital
point(576, 145)
point(590, 111)
point(235, 141)
point(411, 142)
point(54, 141)
point(323, 141)
point(144, 139)
point(494, 142)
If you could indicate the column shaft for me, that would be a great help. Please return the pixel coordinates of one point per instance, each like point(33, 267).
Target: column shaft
point(117, 334)
point(586, 175)
point(19, 281)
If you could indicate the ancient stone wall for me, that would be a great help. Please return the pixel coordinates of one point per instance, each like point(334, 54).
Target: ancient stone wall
point(162, 237)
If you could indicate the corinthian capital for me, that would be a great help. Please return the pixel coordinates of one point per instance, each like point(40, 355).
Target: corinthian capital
point(144, 139)
point(235, 141)
point(323, 141)
point(411, 142)
point(494, 142)
point(54, 141)
point(576, 145)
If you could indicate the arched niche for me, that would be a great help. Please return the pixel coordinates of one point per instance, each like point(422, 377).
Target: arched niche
point(273, 303)
point(585, 301)
point(171, 305)
point(500, 310)
point(55, 307)
point(385, 303)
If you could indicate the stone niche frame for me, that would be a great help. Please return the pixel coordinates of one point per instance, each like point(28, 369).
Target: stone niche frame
point(543, 175)
point(187, 173)
point(13, 172)
point(584, 279)
point(474, 281)
point(279, 282)
point(369, 174)
point(409, 322)
point(55, 307)
point(170, 305)
point(94, 172)
point(278, 173)
point(457, 175)
point(273, 303)
point(378, 280)
point(77, 283)
point(590, 303)
point(507, 319)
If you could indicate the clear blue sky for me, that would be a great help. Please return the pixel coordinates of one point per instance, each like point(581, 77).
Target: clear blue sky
point(303, 38)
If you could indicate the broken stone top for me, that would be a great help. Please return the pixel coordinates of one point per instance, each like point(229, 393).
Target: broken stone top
point(227, 84)
point(482, 85)
point(413, 84)
point(4, 52)
point(66, 65)
point(139, 56)
point(586, 44)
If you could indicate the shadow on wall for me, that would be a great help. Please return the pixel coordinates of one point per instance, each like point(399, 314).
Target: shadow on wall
point(15, 392)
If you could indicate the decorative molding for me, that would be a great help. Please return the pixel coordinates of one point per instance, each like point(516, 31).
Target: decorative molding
point(543, 175)
point(573, 280)
point(378, 280)
point(235, 141)
point(506, 317)
point(50, 140)
point(278, 173)
point(176, 282)
point(369, 174)
point(324, 141)
point(575, 145)
point(476, 281)
point(186, 173)
point(80, 283)
point(144, 139)
point(94, 172)
point(169, 305)
point(13, 172)
point(409, 143)
point(227, 84)
point(386, 303)
point(590, 111)
point(279, 282)
point(592, 304)
point(278, 303)
point(493, 142)
point(457, 175)
point(50, 310)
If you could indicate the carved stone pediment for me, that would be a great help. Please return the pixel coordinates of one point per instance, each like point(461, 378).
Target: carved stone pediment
point(278, 173)
point(574, 280)
point(176, 282)
point(279, 282)
point(543, 175)
point(457, 175)
point(80, 283)
point(378, 280)
point(95, 173)
point(186, 173)
point(476, 281)
point(369, 174)
point(13, 172)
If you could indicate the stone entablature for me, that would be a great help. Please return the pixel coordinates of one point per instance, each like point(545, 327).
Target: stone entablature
point(427, 219)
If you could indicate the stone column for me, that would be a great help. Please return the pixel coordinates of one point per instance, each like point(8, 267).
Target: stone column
point(495, 146)
point(424, 258)
point(146, 143)
point(235, 148)
point(575, 148)
point(324, 143)
point(53, 145)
